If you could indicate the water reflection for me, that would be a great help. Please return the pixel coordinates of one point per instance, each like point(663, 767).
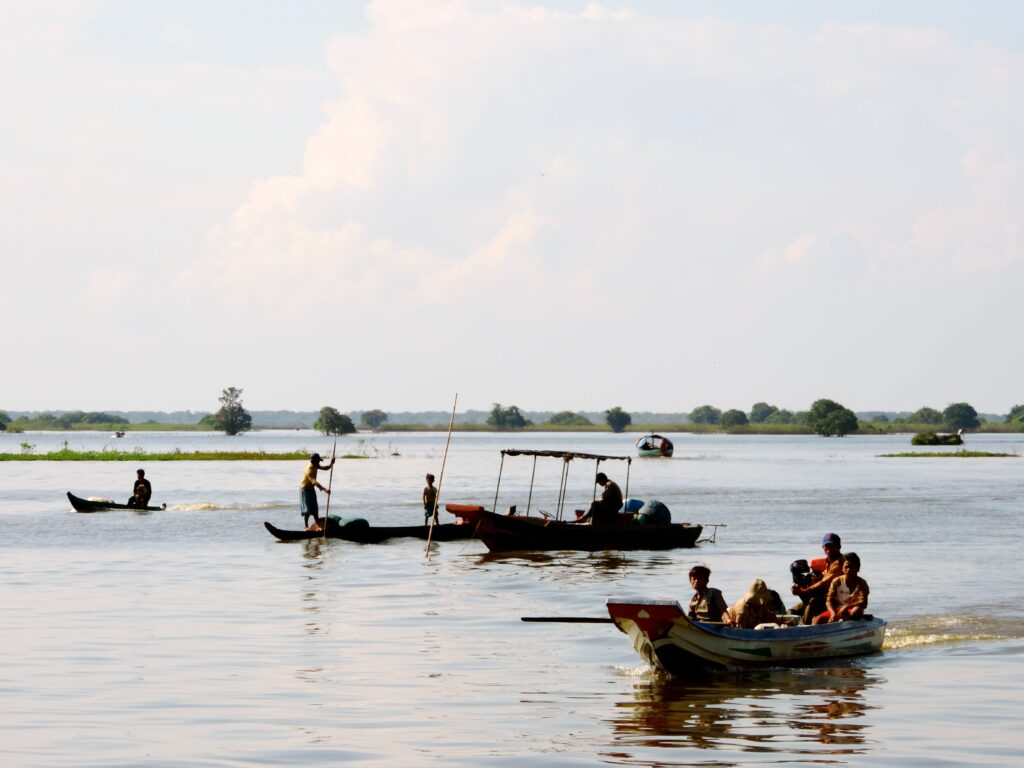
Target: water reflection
point(587, 562)
point(807, 711)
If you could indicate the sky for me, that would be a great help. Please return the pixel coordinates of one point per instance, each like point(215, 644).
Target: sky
point(550, 204)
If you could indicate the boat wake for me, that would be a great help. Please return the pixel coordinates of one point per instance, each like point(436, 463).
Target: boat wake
point(208, 506)
point(944, 630)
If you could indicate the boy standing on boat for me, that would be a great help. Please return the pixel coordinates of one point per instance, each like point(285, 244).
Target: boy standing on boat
point(429, 500)
point(308, 504)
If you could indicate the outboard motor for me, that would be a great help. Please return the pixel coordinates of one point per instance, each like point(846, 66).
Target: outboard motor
point(801, 572)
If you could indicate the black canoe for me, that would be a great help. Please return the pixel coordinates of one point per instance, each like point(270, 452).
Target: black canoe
point(375, 534)
point(506, 533)
point(86, 505)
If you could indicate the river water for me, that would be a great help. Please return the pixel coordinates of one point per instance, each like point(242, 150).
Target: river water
point(190, 637)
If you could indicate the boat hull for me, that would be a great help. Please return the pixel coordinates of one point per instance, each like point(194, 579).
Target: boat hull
point(667, 639)
point(88, 505)
point(509, 533)
point(373, 534)
point(646, 452)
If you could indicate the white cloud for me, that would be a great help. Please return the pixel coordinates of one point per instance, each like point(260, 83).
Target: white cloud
point(751, 180)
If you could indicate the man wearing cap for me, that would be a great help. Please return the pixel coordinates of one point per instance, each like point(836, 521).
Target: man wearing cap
point(307, 492)
point(812, 597)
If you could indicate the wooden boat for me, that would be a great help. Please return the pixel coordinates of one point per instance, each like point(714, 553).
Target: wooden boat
point(516, 532)
point(360, 531)
point(667, 639)
point(89, 505)
point(511, 533)
point(654, 445)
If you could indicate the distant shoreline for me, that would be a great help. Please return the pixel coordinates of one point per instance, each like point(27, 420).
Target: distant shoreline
point(893, 428)
point(174, 456)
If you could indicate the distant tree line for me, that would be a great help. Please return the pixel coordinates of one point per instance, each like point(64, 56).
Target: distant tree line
point(67, 420)
point(825, 417)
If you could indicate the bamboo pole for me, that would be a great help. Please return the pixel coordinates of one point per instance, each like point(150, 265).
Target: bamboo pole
point(330, 482)
point(440, 479)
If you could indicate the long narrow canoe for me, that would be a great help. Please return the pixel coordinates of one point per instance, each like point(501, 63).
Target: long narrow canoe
point(511, 533)
point(668, 640)
point(375, 534)
point(88, 505)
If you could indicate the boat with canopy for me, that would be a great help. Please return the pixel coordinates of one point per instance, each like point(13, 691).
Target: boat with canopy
point(516, 531)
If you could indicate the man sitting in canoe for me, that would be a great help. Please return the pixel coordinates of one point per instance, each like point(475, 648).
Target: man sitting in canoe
point(605, 511)
point(308, 504)
point(142, 491)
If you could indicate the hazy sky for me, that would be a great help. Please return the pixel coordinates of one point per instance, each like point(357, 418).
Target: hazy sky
point(552, 204)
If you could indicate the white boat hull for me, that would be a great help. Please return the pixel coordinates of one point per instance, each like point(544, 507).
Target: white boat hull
point(665, 638)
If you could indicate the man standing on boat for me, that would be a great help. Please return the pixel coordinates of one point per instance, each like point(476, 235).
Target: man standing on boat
point(142, 491)
point(308, 504)
point(813, 595)
point(604, 511)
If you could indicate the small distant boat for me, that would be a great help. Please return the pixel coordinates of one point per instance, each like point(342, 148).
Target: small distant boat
point(361, 532)
point(92, 505)
point(667, 639)
point(119, 433)
point(654, 445)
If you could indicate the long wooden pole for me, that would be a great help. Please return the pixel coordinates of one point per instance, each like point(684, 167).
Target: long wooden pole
point(444, 460)
point(330, 482)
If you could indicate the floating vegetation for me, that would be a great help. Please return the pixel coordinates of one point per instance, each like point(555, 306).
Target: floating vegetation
point(947, 454)
point(176, 455)
point(935, 438)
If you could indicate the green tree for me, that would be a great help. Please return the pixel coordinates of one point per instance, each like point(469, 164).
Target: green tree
point(733, 418)
point(827, 418)
point(1016, 414)
point(373, 419)
point(759, 412)
point(507, 418)
point(781, 416)
point(4, 420)
point(961, 416)
point(925, 416)
point(232, 416)
point(705, 414)
point(617, 419)
point(569, 419)
point(332, 422)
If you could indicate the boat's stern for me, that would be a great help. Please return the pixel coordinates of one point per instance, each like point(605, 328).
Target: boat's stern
point(467, 513)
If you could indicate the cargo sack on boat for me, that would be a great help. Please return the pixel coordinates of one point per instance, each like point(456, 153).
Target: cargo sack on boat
point(633, 506)
point(653, 512)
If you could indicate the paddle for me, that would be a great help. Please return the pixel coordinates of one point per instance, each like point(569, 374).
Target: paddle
point(444, 460)
point(330, 481)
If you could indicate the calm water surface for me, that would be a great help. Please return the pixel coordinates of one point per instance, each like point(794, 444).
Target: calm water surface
point(190, 637)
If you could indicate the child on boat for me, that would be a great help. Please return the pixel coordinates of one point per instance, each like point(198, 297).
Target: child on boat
point(848, 594)
point(707, 603)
